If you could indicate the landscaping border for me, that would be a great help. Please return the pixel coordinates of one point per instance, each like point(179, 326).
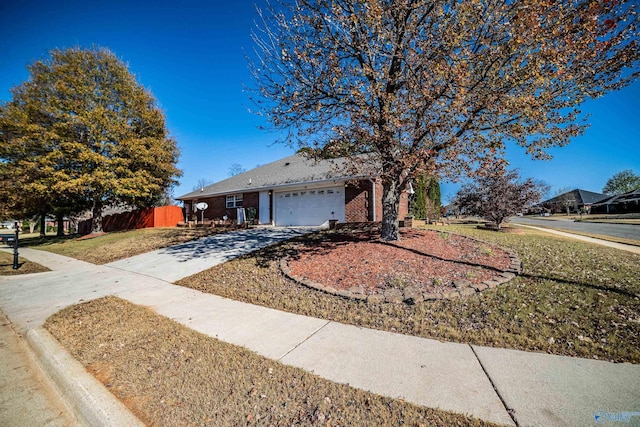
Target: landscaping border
point(412, 295)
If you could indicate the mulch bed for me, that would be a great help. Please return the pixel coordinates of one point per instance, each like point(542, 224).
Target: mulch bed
point(422, 259)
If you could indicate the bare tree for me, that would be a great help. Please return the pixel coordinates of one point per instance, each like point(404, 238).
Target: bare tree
point(202, 182)
point(566, 198)
point(236, 169)
point(437, 87)
point(499, 195)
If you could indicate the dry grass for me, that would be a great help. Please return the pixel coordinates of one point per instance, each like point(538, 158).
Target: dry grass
point(117, 245)
point(24, 266)
point(169, 375)
point(573, 299)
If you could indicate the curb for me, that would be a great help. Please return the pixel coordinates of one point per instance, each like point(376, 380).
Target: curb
point(84, 395)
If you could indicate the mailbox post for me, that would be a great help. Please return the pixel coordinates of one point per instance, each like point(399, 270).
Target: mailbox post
point(15, 248)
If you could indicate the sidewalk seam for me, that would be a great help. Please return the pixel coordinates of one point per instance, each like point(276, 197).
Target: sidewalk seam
point(303, 341)
point(510, 412)
point(139, 273)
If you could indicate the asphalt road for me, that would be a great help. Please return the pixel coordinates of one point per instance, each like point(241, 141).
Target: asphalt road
point(26, 398)
point(627, 231)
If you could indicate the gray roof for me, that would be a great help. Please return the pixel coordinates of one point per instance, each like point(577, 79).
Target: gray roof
point(589, 197)
point(580, 196)
point(621, 198)
point(292, 170)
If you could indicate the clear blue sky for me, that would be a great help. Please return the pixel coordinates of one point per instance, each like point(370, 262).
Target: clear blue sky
point(190, 54)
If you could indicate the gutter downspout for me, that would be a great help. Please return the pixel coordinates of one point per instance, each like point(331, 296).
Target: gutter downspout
point(373, 197)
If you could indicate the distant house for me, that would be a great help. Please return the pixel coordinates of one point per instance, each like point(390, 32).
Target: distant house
point(575, 200)
point(619, 204)
point(295, 190)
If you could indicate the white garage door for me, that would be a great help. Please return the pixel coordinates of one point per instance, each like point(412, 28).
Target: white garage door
point(309, 207)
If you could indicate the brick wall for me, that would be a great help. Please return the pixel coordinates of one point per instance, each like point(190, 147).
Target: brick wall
point(379, 200)
point(217, 208)
point(404, 205)
point(357, 202)
point(359, 206)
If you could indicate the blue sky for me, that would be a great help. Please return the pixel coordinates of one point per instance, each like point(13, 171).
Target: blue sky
point(190, 54)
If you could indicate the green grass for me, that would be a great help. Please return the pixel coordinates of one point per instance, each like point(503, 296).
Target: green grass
point(169, 375)
point(117, 245)
point(573, 299)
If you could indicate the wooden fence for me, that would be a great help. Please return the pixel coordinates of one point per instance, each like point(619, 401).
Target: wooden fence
point(165, 216)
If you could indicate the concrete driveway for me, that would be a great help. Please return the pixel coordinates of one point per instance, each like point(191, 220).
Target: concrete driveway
point(183, 260)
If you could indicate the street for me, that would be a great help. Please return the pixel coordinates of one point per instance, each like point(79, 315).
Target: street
point(626, 231)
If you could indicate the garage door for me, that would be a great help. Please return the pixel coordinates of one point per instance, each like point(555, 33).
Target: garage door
point(309, 207)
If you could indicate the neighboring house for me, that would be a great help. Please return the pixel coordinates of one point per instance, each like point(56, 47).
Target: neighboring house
point(8, 224)
point(295, 190)
point(576, 200)
point(619, 204)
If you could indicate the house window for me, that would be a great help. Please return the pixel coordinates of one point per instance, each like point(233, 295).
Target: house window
point(234, 201)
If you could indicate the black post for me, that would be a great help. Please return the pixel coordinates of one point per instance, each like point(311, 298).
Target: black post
point(15, 248)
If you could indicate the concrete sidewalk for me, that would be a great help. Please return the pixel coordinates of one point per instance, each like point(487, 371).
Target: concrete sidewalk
point(615, 245)
point(487, 383)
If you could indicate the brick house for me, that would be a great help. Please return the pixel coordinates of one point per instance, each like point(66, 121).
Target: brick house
point(294, 191)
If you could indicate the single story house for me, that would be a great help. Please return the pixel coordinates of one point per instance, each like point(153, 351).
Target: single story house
point(295, 190)
point(576, 200)
point(619, 204)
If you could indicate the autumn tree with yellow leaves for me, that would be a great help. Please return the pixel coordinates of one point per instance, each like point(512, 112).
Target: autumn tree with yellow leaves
point(82, 133)
point(438, 87)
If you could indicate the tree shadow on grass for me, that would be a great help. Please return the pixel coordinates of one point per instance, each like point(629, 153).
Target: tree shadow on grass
point(34, 242)
point(602, 288)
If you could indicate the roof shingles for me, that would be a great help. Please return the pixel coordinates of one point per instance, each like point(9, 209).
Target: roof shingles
point(295, 169)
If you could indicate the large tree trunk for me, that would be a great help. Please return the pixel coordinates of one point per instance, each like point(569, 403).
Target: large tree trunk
point(60, 221)
point(390, 210)
point(43, 225)
point(96, 221)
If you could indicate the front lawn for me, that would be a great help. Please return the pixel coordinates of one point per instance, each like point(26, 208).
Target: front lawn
point(170, 375)
point(24, 266)
point(573, 299)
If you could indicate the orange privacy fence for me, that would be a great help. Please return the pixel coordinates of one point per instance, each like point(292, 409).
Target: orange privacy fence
point(165, 216)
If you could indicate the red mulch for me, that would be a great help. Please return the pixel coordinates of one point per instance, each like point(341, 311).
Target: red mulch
point(345, 260)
